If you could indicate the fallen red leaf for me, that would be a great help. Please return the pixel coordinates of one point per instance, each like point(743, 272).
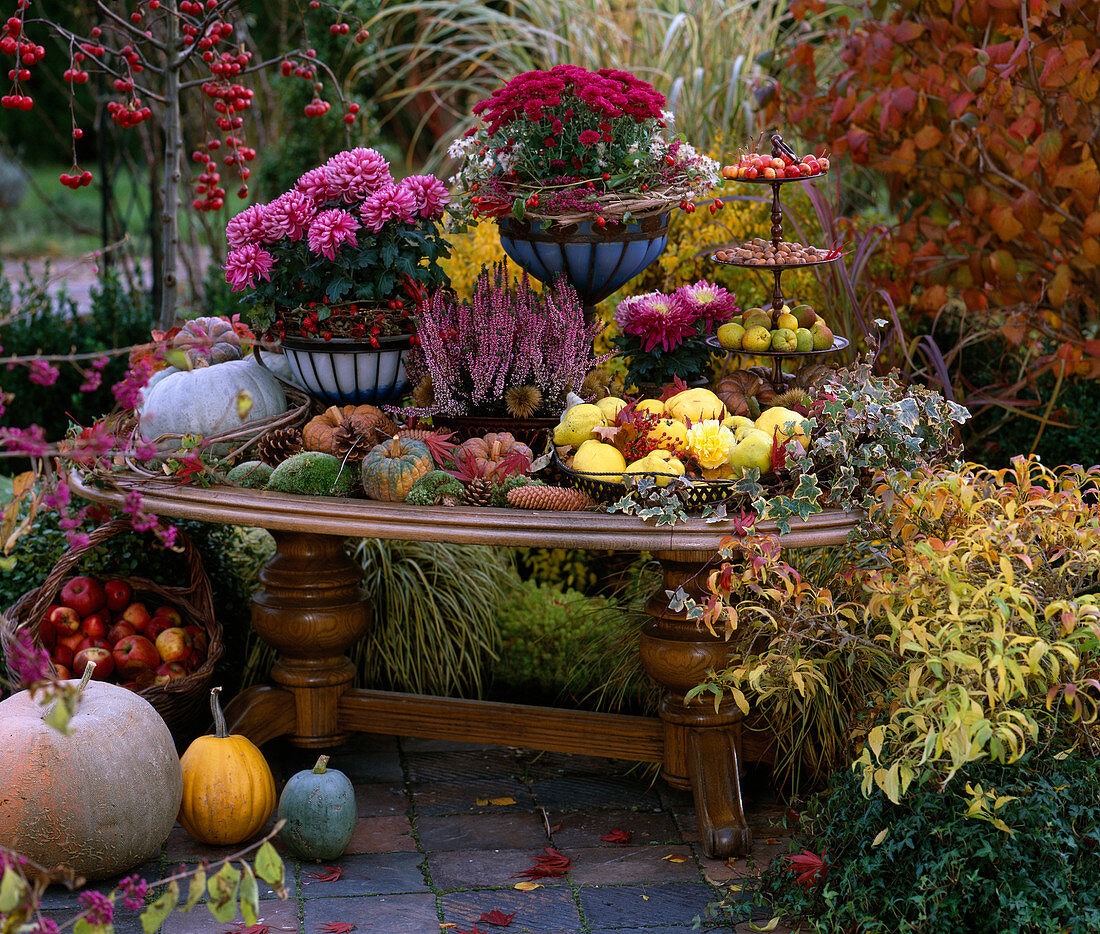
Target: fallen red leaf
point(810, 867)
point(337, 927)
point(552, 864)
point(497, 917)
point(621, 837)
point(239, 927)
point(325, 874)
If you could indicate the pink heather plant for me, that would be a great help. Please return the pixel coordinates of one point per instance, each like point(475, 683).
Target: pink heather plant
point(344, 240)
point(662, 337)
point(508, 336)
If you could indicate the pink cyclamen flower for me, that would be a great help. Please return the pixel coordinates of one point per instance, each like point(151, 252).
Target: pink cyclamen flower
point(330, 230)
point(430, 193)
point(314, 184)
point(704, 300)
point(243, 267)
point(246, 227)
point(357, 173)
point(657, 320)
point(288, 216)
point(386, 204)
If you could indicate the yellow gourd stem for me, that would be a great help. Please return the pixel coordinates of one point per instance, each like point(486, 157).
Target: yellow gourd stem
point(220, 730)
point(319, 768)
point(395, 448)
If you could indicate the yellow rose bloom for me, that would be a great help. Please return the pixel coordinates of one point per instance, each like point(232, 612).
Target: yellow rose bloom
point(710, 442)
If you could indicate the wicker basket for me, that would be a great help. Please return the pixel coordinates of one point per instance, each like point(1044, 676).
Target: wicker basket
point(701, 493)
point(182, 703)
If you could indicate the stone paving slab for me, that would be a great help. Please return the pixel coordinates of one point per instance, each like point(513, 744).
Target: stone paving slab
point(584, 828)
point(372, 874)
point(541, 911)
point(581, 792)
point(626, 906)
point(484, 869)
point(602, 866)
point(376, 914)
point(512, 829)
point(382, 835)
point(482, 797)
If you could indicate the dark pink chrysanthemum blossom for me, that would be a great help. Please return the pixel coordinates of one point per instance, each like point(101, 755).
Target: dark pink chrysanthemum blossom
point(708, 301)
point(387, 204)
point(245, 266)
point(246, 227)
point(314, 184)
point(42, 372)
point(430, 193)
point(330, 230)
point(589, 138)
point(356, 173)
point(288, 216)
point(656, 319)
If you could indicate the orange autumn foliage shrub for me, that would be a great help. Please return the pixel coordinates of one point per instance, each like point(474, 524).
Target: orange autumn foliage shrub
point(983, 123)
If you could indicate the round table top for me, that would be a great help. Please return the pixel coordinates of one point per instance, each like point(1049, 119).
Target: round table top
point(362, 518)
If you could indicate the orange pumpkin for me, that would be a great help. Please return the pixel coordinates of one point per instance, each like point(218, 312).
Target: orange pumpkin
point(483, 456)
point(319, 433)
point(228, 788)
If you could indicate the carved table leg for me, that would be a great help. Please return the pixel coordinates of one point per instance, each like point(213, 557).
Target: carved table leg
point(702, 749)
point(312, 610)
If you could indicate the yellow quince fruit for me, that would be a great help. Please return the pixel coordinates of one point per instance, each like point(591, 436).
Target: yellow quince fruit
point(653, 406)
point(604, 460)
point(669, 434)
point(695, 404)
point(577, 423)
point(610, 406)
point(753, 450)
point(784, 423)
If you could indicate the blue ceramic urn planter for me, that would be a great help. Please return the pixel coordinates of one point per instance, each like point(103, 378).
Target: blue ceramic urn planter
point(596, 260)
point(349, 372)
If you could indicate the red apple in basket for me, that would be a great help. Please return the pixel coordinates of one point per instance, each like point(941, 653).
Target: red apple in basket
point(169, 612)
point(64, 673)
point(89, 642)
point(155, 627)
point(102, 659)
point(47, 634)
point(118, 630)
point(173, 645)
point(169, 671)
point(62, 655)
point(65, 620)
point(119, 594)
point(96, 624)
point(198, 638)
point(194, 660)
point(71, 641)
point(84, 594)
point(137, 615)
point(133, 655)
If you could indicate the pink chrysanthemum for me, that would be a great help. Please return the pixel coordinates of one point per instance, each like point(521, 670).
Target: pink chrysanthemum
point(288, 216)
point(355, 174)
point(386, 204)
point(246, 227)
point(314, 184)
point(430, 193)
point(245, 265)
point(704, 300)
point(330, 230)
point(656, 319)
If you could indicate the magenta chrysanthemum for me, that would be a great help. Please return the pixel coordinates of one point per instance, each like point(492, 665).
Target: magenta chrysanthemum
point(288, 216)
point(430, 193)
point(247, 264)
point(314, 184)
point(704, 300)
point(589, 138)
point(387, 204)
point(656, 319)
point(330, 230)
point(355, 174)
point(246, 227)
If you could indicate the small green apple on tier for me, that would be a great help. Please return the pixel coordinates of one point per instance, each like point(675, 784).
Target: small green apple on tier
point(798, 329)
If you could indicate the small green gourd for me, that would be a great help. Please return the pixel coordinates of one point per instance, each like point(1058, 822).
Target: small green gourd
point(319, 809)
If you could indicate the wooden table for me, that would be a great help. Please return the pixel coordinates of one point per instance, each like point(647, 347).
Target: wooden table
point(312, 609)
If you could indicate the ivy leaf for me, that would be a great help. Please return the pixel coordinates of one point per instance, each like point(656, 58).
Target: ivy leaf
point(222, 888)
point(153, 916)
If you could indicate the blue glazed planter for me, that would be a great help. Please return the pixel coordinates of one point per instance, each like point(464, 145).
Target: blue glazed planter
point(596, 260)
point(349, 372)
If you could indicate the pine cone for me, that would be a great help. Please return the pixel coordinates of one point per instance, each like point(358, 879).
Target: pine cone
point(549, 497)
point(479, 492)
point(276, 446)
point(350, 444)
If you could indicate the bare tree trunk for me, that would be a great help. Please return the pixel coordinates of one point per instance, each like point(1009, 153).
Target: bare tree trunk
point(173, 143)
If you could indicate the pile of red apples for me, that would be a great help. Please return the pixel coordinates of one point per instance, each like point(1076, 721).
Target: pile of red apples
point(129, 643)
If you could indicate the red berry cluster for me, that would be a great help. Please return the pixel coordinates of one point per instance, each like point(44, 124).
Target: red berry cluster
point(76, 180)
point(25, 54)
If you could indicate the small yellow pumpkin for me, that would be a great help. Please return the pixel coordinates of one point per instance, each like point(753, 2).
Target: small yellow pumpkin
point(228, 789)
